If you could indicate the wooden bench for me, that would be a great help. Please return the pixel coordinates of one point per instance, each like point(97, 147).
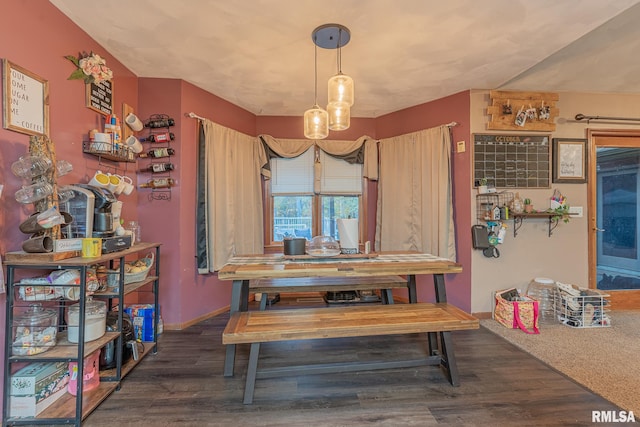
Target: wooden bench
point(328, 284)
point(256, 327)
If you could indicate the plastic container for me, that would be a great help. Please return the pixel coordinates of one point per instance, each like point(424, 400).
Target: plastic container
point(90, 373)
point(95, 320)
point(35, 331)
point(542, 289)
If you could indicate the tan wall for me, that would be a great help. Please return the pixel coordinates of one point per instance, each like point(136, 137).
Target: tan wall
point(564, 255)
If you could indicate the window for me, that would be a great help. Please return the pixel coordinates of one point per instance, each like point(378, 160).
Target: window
point(294, 208)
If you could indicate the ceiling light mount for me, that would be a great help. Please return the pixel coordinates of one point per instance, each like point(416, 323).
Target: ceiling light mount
point(331, 36)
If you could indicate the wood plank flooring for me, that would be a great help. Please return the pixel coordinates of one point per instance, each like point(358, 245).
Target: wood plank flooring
point(500, 386)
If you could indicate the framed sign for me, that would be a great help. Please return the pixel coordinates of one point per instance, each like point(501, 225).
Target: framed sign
point(25, 100)
point(569, 160)
point(100, 97)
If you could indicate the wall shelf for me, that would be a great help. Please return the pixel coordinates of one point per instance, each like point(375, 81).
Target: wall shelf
point(553, 219)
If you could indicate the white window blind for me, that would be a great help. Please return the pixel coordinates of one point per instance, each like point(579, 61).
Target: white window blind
point(296, 175)
point(293, 176)
point(339, 177)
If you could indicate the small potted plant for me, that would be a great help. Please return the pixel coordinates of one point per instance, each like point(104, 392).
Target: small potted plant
point(528, 207)
point(482, 186)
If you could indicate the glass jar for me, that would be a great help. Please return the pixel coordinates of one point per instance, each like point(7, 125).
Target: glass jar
point(135, 230)
point(34, 331)
point(517, 205)
point(31, 166)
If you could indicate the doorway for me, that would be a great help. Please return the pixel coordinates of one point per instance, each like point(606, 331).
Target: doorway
point(614, 229)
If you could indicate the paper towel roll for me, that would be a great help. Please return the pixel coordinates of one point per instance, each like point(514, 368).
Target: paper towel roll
point(348, 230)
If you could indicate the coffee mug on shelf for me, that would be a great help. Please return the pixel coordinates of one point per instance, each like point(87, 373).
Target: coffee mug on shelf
point(100, 179)
point(134, 144)
point(133, 122)
point(115, 183)
point(127, 185)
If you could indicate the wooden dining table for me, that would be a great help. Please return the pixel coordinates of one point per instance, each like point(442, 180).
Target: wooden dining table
point(243, 268)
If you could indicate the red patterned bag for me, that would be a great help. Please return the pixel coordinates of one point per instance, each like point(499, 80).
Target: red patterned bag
point(520, 312)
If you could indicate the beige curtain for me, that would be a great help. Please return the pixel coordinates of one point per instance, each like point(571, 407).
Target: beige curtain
point(233, 195)
point(415, 209)
point(294, 147)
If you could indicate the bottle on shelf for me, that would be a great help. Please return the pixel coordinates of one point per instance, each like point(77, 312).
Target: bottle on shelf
point(159, 183)
point(159, 137)
point(158, 152)
point(163, 122)
point(159, 167)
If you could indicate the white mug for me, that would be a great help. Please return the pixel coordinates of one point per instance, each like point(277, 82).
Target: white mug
point(100, 179)
point(127, 185)
point(115, 183)
point(133, 122)
point(134, 144)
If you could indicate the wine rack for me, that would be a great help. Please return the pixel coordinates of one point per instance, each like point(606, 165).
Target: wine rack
point(159, 138)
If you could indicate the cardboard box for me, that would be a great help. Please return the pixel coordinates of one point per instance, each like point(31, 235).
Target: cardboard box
point(142, 317)
point(35, 378)
point(30, 406)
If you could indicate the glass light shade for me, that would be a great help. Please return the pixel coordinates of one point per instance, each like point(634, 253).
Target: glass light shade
point(339, 115)
point(316, 123)
point(341, 89)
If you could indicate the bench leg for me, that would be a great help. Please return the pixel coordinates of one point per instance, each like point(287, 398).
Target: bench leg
point(252, 370)
point(239, 302)
point(263, 301)
point(448, 358)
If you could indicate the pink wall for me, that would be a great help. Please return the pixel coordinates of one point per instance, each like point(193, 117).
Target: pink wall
point(36, 36)
point(454, 108)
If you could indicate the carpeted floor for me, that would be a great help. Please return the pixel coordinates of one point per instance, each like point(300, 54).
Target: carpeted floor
point(605, 360)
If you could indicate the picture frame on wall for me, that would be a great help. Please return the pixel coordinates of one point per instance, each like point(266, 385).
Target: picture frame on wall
point(25, 100)
point(570, 160)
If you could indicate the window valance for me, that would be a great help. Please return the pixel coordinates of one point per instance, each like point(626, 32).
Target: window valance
point(363, 151)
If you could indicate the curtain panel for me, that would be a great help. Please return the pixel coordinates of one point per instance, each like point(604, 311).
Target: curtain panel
point(229, 206)
point(415, 208)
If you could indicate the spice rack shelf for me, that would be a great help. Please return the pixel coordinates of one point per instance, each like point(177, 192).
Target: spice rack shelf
point(104, 151)
point(70, 409)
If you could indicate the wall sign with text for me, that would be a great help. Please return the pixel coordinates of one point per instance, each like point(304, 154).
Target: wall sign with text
point(100, 97)
point(25, 100)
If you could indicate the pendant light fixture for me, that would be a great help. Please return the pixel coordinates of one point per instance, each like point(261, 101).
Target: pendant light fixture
point(340, 87)
point(316, 120)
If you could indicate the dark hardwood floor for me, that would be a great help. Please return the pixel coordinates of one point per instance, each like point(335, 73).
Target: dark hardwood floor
point(500, 386)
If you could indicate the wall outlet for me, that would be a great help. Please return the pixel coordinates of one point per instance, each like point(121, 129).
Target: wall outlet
point(575, 211)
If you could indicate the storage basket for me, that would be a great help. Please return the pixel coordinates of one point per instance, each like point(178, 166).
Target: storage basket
point(141, 275)
point(581, 308)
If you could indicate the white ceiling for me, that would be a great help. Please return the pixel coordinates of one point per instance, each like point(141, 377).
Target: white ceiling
point(258, 54)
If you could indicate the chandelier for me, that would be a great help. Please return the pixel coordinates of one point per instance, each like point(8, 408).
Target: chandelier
point(317, 121)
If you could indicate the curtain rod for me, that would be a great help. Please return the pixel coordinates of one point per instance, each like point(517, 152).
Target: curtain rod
point(452, 124)
point(583, 117)
point(194, 116)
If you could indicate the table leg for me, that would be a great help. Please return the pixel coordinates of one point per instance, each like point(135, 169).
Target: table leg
point(411, 285)
point(239, 302)
point(441, 296)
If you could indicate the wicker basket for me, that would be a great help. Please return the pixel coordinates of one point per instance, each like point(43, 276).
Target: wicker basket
point(141, 275)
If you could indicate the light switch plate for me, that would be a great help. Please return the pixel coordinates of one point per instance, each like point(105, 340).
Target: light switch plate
point(576, 211)
point(460, 147)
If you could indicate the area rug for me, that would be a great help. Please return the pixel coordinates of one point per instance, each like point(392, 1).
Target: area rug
point(605, 360)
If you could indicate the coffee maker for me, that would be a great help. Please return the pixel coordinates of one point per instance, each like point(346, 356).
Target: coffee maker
point(102, 216)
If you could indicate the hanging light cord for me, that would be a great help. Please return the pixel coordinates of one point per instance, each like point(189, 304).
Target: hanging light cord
point(315, 73)
point(339, 56)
